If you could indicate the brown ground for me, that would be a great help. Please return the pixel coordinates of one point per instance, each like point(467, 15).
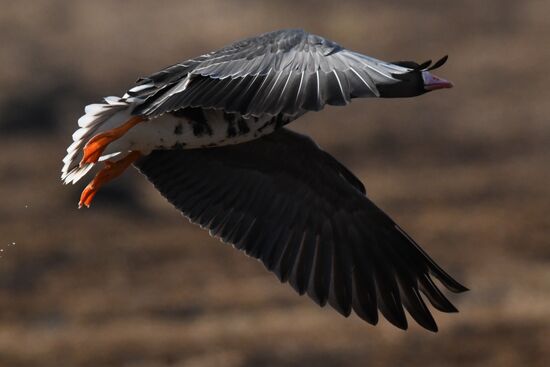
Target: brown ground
point(131, 283)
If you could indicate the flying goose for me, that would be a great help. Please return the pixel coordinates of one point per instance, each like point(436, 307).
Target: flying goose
point(208, 133)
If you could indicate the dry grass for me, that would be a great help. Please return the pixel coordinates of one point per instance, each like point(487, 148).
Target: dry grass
point(130, 283)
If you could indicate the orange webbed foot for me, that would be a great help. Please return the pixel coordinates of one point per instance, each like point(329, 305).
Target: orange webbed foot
point(96, 145)
point(109, 172)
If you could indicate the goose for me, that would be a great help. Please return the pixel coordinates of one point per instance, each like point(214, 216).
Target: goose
point(209, 133)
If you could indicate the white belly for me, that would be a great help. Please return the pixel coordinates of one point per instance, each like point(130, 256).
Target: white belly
point(171, 131)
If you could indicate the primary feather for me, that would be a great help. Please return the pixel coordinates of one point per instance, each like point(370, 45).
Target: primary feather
point(286, 202)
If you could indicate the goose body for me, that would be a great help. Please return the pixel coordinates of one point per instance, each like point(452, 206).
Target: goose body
point(209, 134)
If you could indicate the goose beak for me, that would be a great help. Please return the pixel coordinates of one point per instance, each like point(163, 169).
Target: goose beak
point(432, 82)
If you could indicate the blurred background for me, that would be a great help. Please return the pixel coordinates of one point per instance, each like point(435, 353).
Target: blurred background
point(131, 283)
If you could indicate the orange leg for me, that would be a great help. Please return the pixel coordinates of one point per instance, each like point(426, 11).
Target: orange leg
point(96, 145)
point(109, 172)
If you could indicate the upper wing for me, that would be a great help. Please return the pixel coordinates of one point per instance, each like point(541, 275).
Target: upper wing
point(286, 202)
point(288, 71)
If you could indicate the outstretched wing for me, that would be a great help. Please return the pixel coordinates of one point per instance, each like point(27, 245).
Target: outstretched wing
point(283, 200)
point(288, 71)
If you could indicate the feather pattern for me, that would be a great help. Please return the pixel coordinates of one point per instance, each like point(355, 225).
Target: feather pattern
point(328, 74)
point(97, 118)
point(283, 200)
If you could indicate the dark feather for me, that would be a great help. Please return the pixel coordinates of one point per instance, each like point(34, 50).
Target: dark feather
point(424, 65)
point(286, 202)
point(439, 63)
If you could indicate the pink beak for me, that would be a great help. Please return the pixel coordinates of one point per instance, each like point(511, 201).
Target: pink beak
point(432, 82)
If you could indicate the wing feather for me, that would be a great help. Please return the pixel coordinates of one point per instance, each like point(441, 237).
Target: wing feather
point(340, 75)
point(283, 200)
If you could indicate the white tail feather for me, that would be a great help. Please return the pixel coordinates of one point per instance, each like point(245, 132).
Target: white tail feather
point(98, 117)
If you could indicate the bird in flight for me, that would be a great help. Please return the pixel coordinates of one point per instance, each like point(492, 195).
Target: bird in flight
point(209, 134)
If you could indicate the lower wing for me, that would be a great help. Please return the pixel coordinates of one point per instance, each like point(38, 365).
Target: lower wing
point(283, 200)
